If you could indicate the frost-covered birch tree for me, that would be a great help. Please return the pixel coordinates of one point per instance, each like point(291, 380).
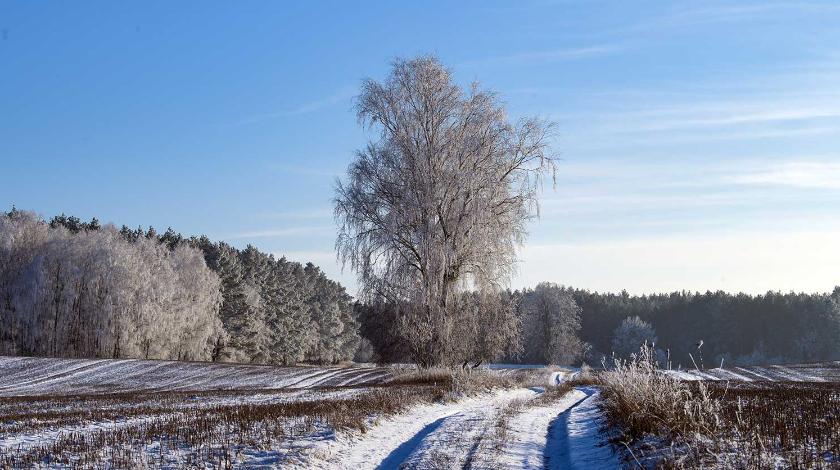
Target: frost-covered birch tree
point(631, 335)
point(437, 203)
point(552, 325)
point(92, 293)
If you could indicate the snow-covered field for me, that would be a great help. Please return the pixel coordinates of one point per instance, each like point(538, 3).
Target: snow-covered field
point(49, 376)
point(818, 372)
point(59, 413)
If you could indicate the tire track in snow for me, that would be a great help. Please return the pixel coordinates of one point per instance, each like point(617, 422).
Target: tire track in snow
point(575, 440)
point(457, 442)
point(364, 377)
point(399, 455)
point(527, 433)
point(418, 438)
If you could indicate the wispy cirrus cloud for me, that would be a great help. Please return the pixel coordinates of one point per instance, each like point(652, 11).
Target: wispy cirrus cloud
point(341, 95)
point(801, 174)
point(735, 116)
point(788, 110)
point(299, 214)
point(543, 57)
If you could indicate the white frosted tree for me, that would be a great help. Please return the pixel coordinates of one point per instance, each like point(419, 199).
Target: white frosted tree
point(631, 335)
point(552, 325)
point(278, 327)
point(438, 202)
point(197, 299)
point(92, 293)
point(76, 289)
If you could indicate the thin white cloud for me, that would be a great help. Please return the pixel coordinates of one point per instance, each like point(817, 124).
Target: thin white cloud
point(732, 115)
point(821, 175)
point(342, 95)
point(690, 118)
point(542, 57)
point(637, 139)
point(298, 214)
point(594, 204)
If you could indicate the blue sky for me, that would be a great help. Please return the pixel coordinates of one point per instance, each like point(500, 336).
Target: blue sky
point(700, 141)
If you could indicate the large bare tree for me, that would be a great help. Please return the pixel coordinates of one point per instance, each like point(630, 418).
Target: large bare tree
point(438, 202)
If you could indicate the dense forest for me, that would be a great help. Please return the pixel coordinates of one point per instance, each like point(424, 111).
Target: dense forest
point(563, 325)
point(737, 328)
point(80, 289)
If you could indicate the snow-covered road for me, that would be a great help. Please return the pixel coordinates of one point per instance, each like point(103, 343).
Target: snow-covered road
point(425, 437)
point(525, 446)
point(575, 438)
point(563, 434)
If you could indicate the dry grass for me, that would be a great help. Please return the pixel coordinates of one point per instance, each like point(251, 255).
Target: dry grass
point(797, 422)
point(460, 382)
point(670, 423)
point(436, 376)
point(641, 401)
point(165, 434)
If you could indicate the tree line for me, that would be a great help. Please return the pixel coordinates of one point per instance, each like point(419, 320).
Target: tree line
point(739, 329)
point(71, 288)
point(82, 289)
point(553, 324)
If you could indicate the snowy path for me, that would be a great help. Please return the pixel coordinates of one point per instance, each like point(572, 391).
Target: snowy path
point(455, 443)
point(528, 432)
point(575, 440)
point(429, 436)
point(563, 434)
